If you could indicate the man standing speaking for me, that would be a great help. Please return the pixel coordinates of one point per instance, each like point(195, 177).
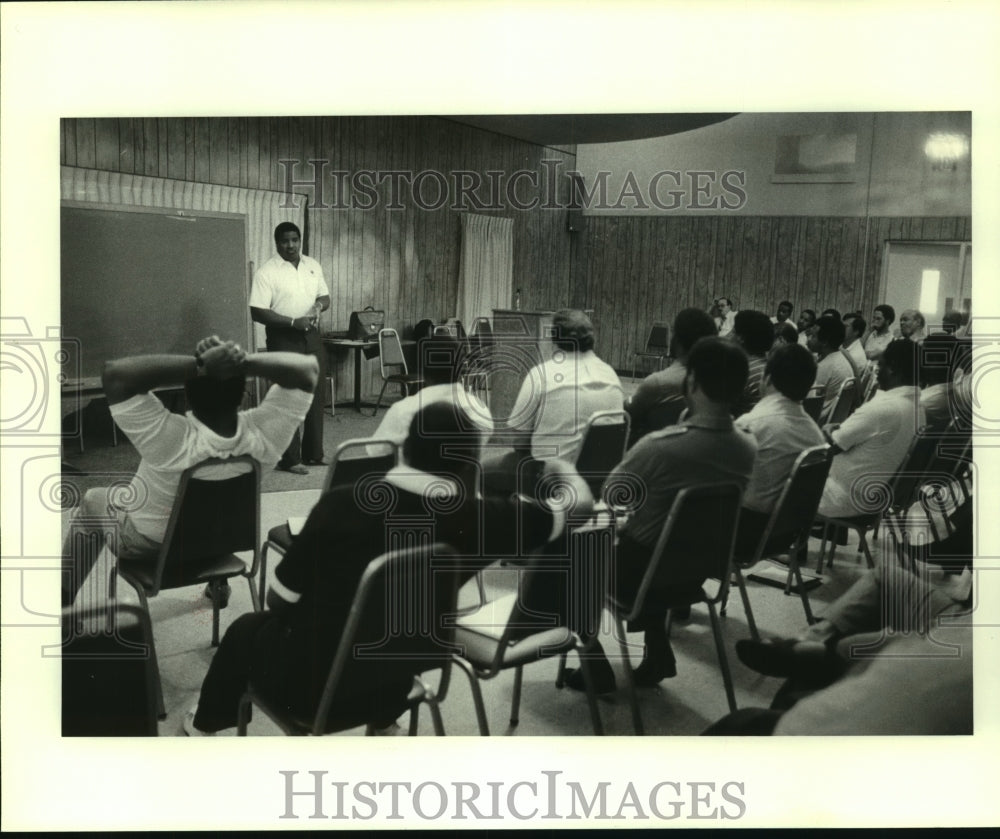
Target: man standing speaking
point(287, 296)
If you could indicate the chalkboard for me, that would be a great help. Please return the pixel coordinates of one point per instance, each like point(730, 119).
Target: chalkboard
point(142, 280)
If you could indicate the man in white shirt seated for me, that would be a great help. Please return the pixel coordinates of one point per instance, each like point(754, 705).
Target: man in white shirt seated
point(442, 369)
point(783, 430)
point(873, 441)
point(785, 309)
point(214, 380)
point(556, 401)
point(807, 317)
point(854, 328)
point(880, 334)
point(727, 316)
point(833, 369)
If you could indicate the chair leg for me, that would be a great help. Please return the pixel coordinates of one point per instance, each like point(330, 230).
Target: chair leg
point(262, 573)
point(629, 678)
point(822, 548)
point(414, 722)
point(796, 569)
point(216, 594)
point(561, 672)
point(253, 594)
point(243, 715)
point(720, 648)
point(745, 597)
point(161, 711)
point(378, 402)
point(515, 699)
point(432, 703)
point(595, 714)
point(477, 694)
point(863, 545)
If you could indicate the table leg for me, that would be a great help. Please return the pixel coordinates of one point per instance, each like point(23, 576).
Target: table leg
point(357, 379)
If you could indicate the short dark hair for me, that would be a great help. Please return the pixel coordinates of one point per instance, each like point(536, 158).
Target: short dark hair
point(729, 302)
point(755, 331)
point(720, 368)
point(832, 313)
point(858, 324)
point(788, 333)
point(901, 356)
point(689, 326)
point(812, 315)
point(938, 354)
point(207, 395)
point(830, 331)
point(887, 311)
point(438, 435)
point(286, 227)
point(441, 359)
point(792, 369)
point(787, 304)
point(572, 331)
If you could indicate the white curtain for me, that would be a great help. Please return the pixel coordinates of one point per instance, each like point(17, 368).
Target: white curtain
point(486, 269)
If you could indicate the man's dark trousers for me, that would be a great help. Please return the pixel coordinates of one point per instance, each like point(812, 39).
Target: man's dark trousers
point(307, 444)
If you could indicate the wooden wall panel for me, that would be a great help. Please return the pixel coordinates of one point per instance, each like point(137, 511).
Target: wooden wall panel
point(403, 260)
point(637, 270)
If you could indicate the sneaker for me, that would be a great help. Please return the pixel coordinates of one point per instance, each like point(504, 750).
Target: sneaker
point(224, 591)
point(295, 469)
point(390, 730)
point(189, 728)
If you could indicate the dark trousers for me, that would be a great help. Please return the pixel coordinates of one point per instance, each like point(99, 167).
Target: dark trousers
point(307, 444)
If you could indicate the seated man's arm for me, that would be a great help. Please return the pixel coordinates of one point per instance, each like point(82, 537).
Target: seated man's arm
point(290, 370)
point(127, 377)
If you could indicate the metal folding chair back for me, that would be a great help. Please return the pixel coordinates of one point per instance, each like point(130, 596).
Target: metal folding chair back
point(844, 403)
point(602, 447)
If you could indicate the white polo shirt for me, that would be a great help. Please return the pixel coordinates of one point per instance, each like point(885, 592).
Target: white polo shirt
point(281, 287)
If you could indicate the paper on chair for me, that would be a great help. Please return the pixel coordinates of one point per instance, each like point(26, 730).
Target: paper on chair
point(295, 524)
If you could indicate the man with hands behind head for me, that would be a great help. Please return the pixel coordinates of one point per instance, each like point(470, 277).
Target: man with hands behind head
point(214, 381)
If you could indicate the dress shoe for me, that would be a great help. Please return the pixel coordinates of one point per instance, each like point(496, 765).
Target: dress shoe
point(787, 657)
point(295, 469)
point(224, 592)
point(601, 675)
point(649, 673)
point(320, 462)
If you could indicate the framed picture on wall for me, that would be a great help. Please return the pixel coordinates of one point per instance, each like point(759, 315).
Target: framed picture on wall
point(815, 158)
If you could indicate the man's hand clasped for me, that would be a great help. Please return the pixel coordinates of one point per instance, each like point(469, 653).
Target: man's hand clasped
point(220, 359)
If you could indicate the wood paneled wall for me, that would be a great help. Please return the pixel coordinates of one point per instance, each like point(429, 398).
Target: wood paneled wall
point(635, 270)
point(404, 261)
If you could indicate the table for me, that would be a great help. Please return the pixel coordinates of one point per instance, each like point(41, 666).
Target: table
point(357, 346)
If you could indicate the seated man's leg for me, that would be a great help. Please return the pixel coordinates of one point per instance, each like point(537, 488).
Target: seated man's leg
point(250, 642)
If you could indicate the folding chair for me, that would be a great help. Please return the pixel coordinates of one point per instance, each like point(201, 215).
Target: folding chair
point(788, 528)
point(843, 403)
point(657, 346)
point(695, 544)
point(353, 461)
point(391, 356)
point(602, 447)
point(505, 633)
point(212, 520)
point(400, 626)
point(478, 361)
point(813, 403)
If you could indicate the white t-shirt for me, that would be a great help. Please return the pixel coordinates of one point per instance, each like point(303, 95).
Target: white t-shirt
point(558, 398)
point(874, 439)
point(281, 287)
point(395, 425)
point(169, 443)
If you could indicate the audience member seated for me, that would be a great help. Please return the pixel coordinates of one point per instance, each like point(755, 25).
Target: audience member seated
point(879, 335)
point(441, 358)
point(726, 317)
point(555, 403)
point(872, 442)
point(659, 399)
point(938, 357)
point(833, 368)
point(832, 313)
point(704, 448)
point(783, 430)
point(854, 329)
point(290, 646)
point(785, 333)
point(214, 381)
point(806, 319)
point(753, 331)
point(785, 309)
point(911, 325)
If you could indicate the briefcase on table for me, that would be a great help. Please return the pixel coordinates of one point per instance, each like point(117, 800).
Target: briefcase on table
point(365, 325)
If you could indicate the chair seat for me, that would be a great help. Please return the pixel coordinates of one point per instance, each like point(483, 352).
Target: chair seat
point(480, 648)
point(143, 572)
point(280, 536)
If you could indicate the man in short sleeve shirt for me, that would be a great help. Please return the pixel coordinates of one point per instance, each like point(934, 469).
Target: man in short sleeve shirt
point(288, 294)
